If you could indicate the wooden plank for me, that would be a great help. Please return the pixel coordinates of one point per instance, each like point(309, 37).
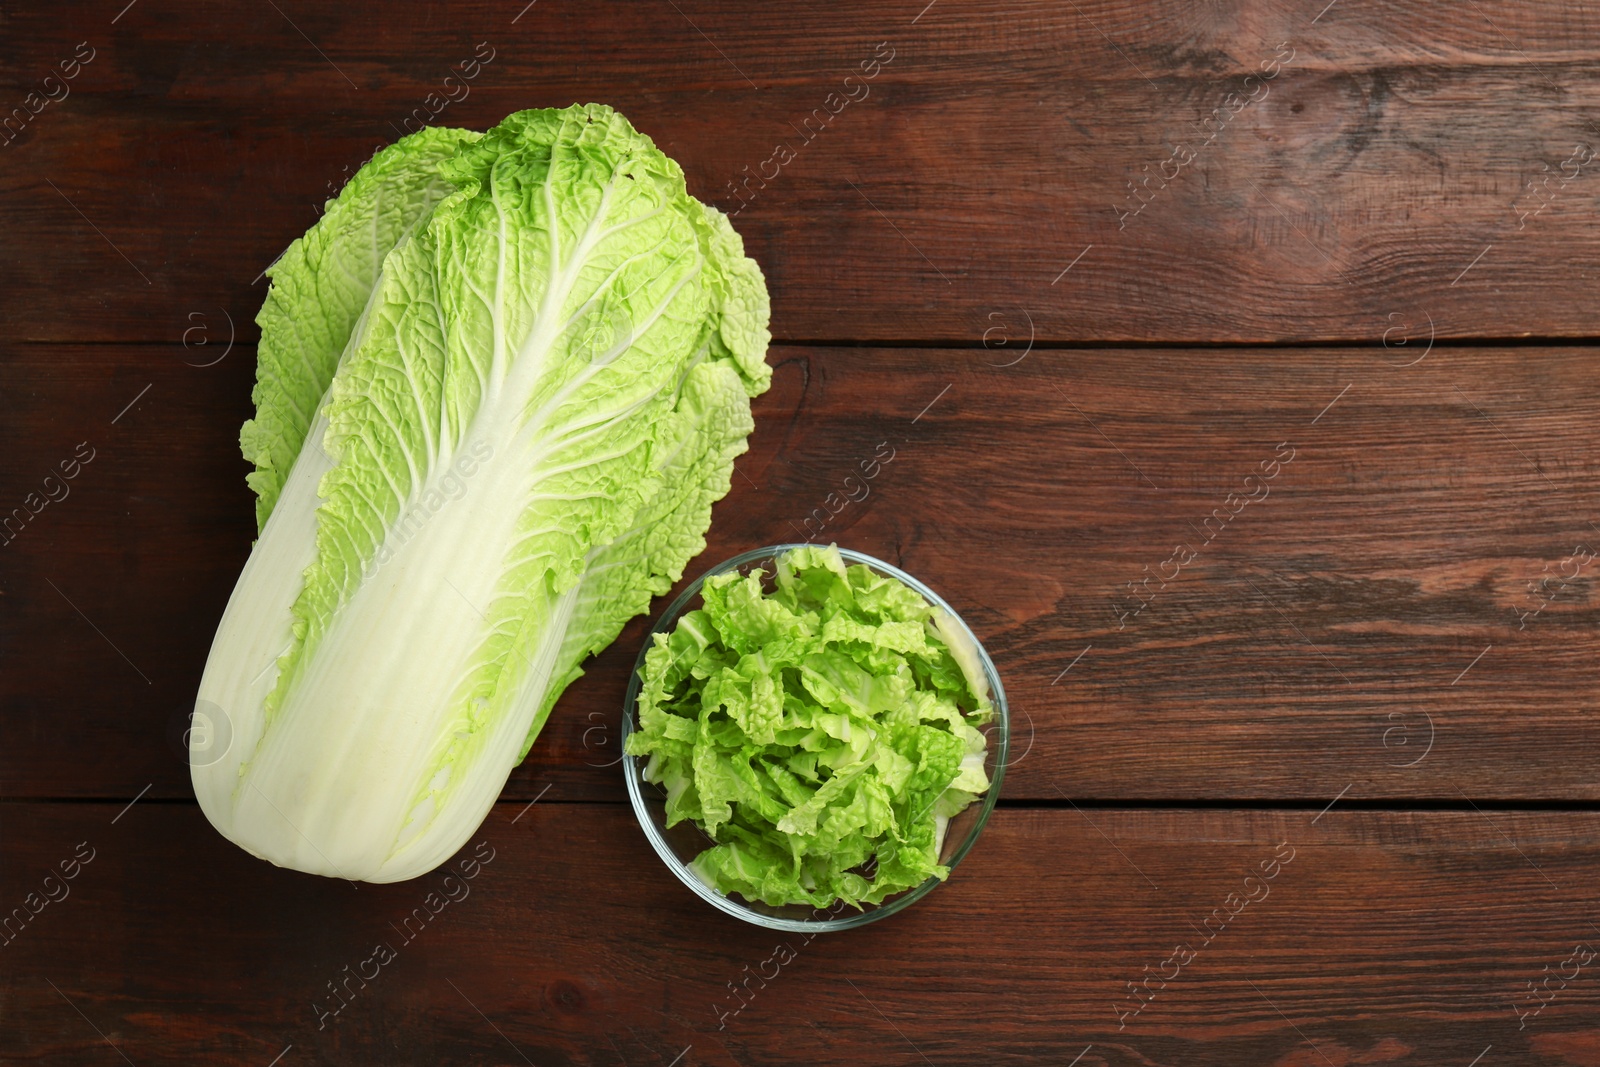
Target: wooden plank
point(996, 148)
point(1366, 623)
point(708, 43)
point(1380, 937)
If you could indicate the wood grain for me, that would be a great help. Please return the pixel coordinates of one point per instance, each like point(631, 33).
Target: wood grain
point(1256, 439)
point(1382, 175)
point(1366, 623)
point(1402, 938)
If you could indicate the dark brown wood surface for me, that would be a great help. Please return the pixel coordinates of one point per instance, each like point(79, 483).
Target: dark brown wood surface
point(1395, 145)
point(1321, 639)
point(1366, 303)
point(1385, 937)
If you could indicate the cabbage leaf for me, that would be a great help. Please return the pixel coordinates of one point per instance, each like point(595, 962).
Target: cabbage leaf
point(540, 399)
point(821, 733)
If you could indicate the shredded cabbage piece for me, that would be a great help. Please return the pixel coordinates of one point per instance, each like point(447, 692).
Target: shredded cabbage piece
point(822, 732)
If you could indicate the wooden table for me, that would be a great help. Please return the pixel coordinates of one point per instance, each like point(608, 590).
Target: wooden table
point(1089, 269)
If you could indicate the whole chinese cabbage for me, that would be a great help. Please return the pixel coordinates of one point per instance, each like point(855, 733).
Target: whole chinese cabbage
point(501, 383)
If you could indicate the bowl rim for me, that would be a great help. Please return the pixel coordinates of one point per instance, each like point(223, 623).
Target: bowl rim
point(999, 735)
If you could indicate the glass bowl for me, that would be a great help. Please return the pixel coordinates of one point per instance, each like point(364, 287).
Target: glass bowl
point(680, 844)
